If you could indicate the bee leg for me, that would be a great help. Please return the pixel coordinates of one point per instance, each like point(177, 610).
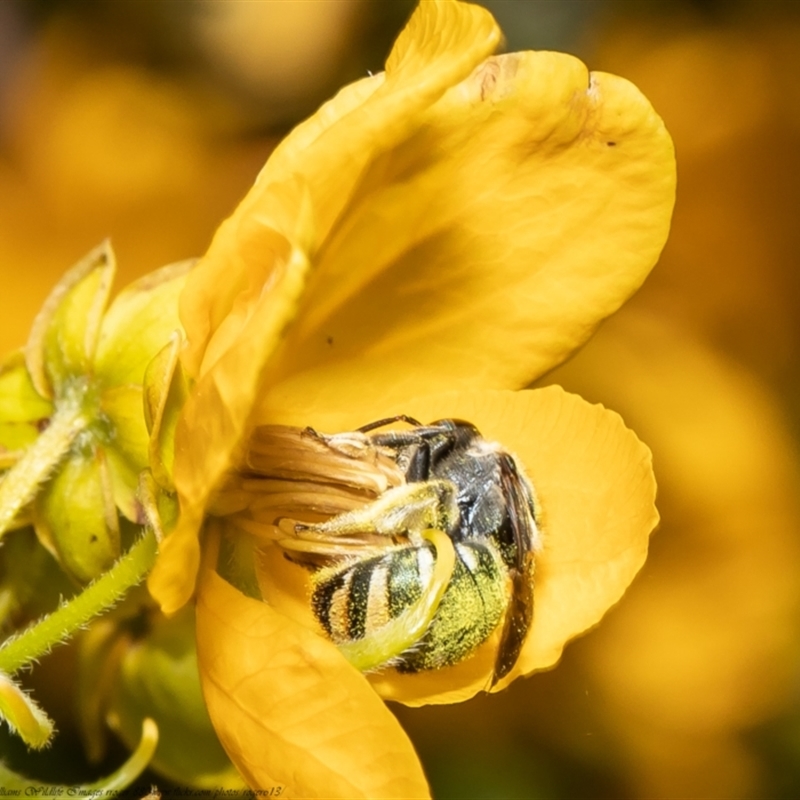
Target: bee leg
point(408, 509)
point(352, 444)
point(418, 468)
point(377, 648)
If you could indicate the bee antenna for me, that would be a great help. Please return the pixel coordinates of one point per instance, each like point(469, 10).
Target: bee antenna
point(371, 426)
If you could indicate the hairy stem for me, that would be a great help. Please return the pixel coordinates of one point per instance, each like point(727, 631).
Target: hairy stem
point(96, 598)
point(21, 483)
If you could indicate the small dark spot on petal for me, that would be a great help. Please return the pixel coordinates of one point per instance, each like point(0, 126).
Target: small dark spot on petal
point(42, 424)
point(92, 538)
point(329, 340)
point(611, 144)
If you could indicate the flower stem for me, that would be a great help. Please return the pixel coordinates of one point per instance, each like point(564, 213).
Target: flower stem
point(134, 766)
point(20, 484)
point(110, 785)
point(96, 598)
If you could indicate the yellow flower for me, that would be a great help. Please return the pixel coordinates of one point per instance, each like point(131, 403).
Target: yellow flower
point(456, 225)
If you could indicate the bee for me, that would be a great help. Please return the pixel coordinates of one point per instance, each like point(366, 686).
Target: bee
point(418, 569)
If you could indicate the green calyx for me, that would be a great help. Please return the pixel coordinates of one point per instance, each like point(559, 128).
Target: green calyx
point(74, 435)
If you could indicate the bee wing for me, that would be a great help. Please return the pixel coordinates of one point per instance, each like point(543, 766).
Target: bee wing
point(301, 454)
point(296, 479)
point(521, 512)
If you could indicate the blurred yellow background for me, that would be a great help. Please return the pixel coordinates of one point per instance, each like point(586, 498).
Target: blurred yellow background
point(146, 122)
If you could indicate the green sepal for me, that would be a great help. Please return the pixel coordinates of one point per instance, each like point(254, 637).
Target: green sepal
point(22, 409)
point(123, 477)
point(159, 677)
point(65, 332)
point(76, 518)
point(237, 563)
point(138, 323)
point(159, 508)
point(166, 390)
point(124, 435)
point(19, 400)
point(121, 408)
point(117, 781)
point(23, 714)
point(14, 438)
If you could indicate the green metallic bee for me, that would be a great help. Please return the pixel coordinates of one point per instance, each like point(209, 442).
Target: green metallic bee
point(417, 578)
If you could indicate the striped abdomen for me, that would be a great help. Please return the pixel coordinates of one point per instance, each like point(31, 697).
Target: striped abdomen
point(353, 602)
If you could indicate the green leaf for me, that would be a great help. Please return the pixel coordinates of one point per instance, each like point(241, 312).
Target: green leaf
point(159, 508)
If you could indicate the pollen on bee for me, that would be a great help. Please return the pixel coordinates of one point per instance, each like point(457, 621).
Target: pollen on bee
point(378, 599)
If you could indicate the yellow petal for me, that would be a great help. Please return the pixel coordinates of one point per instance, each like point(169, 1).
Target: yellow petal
point(212, 423)
point(100, 651)
point(487, 246)
point(248, 286)
point(595, 484)
point(442, 43)
point(704, 647)
point(290, 711)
